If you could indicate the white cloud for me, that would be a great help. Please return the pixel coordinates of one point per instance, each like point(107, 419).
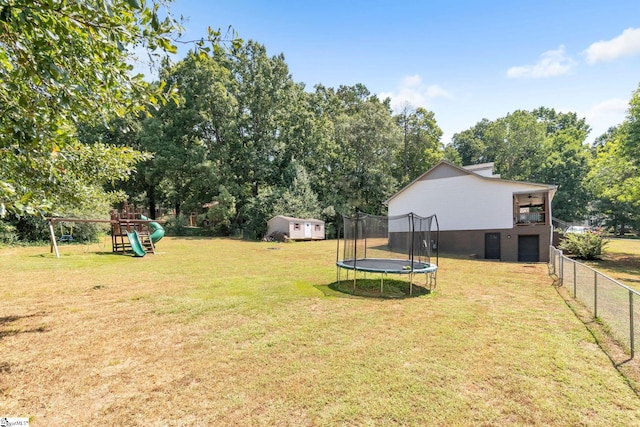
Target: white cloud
point(604, 115)
point(414, 92)
point(411, 81)
point(551, 63)
point(626, 44)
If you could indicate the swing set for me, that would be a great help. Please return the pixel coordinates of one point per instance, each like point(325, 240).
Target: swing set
point(66, 237)
point(130, 232)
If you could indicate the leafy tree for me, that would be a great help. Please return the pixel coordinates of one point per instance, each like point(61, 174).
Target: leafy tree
point(471, 144)
point(614, 182)
point(368, 140)
point(567, 165)
point(61, 62)
point(187, 137)
point(299, 200)
point(422, 148)
point(516, 144)
point(566, 162)
point(222, 211)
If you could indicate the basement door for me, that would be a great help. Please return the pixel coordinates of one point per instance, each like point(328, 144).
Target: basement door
point(492, 246)
point(529, 248)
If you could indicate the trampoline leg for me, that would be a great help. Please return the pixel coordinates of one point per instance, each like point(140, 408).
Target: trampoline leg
point(355, 276)
point(410, 284)
point(382, 284)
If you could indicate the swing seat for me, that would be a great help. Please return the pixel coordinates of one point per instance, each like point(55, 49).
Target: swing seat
point(66, 238)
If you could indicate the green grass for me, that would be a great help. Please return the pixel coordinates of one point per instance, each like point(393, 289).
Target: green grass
point(226, 332)
point(621, 261)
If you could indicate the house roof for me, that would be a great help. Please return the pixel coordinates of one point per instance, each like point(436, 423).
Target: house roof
point(445, 169)
point(289, 218)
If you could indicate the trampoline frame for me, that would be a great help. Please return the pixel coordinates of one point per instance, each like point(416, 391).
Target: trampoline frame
point(409, 266)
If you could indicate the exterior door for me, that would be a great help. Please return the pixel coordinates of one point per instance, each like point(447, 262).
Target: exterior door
point(529, 248)
point(492, 246)
point(307, 230)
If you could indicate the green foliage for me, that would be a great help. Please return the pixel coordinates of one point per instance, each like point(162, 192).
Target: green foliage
point(588, 245)
point(177, 225)
point(8, 234)
point(222, 212)
point(614, 181)
point(298, 200)
point(60, 63)
point(260, 210)
point(422, 148)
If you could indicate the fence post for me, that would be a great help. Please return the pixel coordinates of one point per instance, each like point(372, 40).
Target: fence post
point(631, 331)
point(561, 275)
point(575, 280)
point(595, 294)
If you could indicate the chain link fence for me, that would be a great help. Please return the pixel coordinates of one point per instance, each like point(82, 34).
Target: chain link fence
point(615, 305)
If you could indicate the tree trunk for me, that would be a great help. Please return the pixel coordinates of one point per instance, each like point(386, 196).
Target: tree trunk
point(151, 194)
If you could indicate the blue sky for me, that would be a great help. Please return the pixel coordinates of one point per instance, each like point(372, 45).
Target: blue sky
point(463, 60)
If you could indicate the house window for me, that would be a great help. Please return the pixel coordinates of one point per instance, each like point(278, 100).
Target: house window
point(318, 227)
point(296, 226)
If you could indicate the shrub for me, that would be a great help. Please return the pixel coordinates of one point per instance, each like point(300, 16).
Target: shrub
point(177, 226)
point(8, 233)
point(588, 245)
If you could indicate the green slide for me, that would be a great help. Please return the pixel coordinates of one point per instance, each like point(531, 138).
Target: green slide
point(157, 231)
point(136, 244)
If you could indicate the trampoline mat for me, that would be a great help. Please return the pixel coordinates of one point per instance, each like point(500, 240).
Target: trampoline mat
point(390, 266)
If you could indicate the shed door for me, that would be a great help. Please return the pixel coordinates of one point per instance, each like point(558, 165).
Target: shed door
point(492, 246)
point(307, 230)
point(528, 248)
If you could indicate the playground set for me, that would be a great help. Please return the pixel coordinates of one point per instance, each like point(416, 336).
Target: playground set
point(131, 231)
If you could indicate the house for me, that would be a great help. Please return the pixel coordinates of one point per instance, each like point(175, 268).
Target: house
point(296, 228)
point(479, 214)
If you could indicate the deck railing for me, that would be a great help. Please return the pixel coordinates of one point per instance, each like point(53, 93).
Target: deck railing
point(531, 218)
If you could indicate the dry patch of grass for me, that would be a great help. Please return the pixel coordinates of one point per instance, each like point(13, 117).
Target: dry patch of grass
point(224, 332)
point(621, 261)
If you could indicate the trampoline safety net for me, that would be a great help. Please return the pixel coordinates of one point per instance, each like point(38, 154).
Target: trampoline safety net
point(409, 237)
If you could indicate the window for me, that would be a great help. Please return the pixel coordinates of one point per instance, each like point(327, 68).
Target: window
point(296, 226)
point(318, 227)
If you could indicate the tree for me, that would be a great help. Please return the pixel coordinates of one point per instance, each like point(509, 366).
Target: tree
point(61, 62)
point(566, 162)
point(614, 177)
point(471, 144)
point(299, 200)
point(189, 137)
point(613, 180)
point(367, 142)
point(422, 148)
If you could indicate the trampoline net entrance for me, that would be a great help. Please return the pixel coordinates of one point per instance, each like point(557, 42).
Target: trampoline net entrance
point(402, 245)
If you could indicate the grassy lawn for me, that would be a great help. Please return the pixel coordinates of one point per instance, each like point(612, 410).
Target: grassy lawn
point(225, 332)
point(621, 261)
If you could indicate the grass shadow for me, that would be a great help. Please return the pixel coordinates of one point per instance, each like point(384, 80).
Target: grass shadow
point(7, 329)
point(372, 288)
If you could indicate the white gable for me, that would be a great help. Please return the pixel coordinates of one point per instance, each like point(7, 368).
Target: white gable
point(483, 169)
point(462, 200)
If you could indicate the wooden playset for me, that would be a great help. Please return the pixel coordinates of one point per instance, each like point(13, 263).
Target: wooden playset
point(131, 231)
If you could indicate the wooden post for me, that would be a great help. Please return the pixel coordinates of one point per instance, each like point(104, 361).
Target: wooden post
point(631, 328)
point(52, 234)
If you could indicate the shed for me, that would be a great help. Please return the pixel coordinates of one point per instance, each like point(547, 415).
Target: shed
point(296, 228)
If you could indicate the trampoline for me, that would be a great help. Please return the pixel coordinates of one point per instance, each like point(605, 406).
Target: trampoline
point(404, 245)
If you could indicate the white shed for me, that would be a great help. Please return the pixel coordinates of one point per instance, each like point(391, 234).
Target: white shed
point(296, 228)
